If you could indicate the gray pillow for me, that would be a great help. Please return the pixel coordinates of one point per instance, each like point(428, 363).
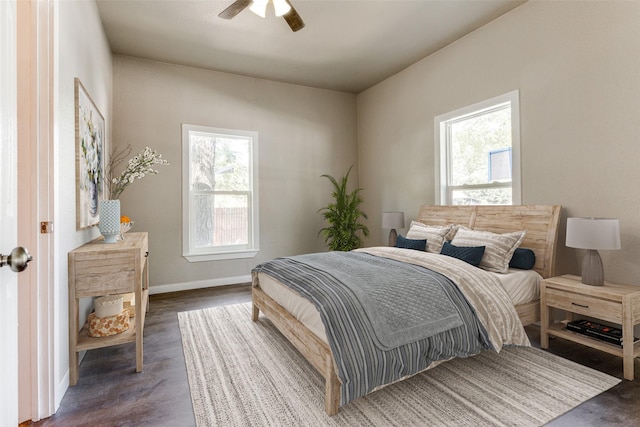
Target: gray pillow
point(435, 235)
point(499, 248)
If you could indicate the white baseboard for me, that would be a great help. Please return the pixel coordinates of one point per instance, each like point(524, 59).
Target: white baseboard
point(61, 389)
point(199, 284)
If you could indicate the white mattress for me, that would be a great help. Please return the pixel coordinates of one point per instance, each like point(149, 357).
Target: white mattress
point(522, 286)
point(298, 306)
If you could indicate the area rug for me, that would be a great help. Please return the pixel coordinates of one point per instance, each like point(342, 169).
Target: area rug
point(244, 373)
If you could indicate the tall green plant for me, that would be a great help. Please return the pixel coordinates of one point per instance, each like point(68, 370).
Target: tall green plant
point(342, 216)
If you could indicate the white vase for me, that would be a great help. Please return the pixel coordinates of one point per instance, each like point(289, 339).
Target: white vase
point(109, 224)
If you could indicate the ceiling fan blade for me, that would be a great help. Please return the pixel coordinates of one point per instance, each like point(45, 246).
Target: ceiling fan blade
point(293, 19)
point(235, 8)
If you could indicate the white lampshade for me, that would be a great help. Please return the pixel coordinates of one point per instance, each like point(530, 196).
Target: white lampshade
point(393, 220)
point(281, 7)
point(259, 7)
point(593, 233)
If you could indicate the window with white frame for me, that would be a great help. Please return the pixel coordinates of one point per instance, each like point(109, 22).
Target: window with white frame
point(220, 197)
point(478, 153)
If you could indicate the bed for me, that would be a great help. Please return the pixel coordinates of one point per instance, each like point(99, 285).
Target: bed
point(299, 320)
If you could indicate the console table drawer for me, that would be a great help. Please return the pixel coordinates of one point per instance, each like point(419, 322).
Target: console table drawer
point(585, 305)
point(95, 275)
point(108, 283)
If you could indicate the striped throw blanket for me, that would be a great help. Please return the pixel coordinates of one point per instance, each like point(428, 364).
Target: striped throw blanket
point(377, 313)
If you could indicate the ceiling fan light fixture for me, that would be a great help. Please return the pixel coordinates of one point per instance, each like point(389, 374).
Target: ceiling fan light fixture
point(281, 7)
point(259, 7)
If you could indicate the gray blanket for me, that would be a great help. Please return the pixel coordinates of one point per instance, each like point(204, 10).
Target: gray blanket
point(362, 364)
point(401, 302)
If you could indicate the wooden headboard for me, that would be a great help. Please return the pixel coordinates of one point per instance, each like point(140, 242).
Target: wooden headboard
point(540, 222)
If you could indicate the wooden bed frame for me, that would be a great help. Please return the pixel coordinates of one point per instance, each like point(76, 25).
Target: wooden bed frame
point(540, 221)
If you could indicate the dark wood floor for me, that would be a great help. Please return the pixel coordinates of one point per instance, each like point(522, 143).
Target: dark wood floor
point(110, 393)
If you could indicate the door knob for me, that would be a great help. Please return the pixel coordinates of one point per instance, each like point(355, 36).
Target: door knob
point(17, 259)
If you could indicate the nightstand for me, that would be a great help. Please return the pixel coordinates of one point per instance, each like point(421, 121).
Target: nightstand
point(619, 304)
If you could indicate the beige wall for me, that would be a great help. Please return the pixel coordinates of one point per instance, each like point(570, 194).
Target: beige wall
point(577, 66)
point(81, 51)
point(303, 133)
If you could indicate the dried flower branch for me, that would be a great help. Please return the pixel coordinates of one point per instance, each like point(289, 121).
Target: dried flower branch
point(138, 167)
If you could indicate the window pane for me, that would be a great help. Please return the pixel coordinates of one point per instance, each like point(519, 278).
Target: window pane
point(232, 164)
point(202, 160)
point(489, 196)
point(220, 220)
point(219, 163)
point(472, 141)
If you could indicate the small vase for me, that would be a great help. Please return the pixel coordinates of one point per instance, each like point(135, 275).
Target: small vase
point(109, 224)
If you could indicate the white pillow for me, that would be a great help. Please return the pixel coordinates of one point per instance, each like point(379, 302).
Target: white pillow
point(435, 235)
point(499, 248)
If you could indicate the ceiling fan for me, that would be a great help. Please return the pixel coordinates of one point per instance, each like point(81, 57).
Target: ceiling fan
point(282, 7)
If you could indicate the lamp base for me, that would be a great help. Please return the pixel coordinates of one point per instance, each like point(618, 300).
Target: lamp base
point(592, 271)
point(393, 236)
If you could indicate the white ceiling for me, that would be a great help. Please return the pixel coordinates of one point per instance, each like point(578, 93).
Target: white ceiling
point(346, 45)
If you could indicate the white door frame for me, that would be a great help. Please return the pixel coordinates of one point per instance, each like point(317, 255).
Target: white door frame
point(36, 295)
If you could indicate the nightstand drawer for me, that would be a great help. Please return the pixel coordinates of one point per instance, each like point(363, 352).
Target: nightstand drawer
point(585, 305)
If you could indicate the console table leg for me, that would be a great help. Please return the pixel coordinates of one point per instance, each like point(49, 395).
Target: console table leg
point(73, 368)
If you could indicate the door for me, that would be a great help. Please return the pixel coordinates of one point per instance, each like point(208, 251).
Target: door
point(34, 24)
point(8, 215)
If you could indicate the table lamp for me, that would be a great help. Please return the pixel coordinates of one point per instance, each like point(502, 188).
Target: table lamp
point(393, 220)
point(593, 234)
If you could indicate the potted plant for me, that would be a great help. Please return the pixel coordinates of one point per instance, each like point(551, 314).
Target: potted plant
point(343, 216)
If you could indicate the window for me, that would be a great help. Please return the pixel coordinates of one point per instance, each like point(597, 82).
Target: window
point(219, 193)
point(478, 153)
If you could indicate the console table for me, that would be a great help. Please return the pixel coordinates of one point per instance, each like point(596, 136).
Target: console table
point(97, 269)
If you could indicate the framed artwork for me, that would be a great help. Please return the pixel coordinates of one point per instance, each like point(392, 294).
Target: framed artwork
point(90, 133)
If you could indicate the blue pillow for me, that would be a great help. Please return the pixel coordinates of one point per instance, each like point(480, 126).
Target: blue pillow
point(469, 254)
point(417, 244)
point(523, 259)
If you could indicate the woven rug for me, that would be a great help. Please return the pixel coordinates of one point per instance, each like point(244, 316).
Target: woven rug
point(243, 373)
